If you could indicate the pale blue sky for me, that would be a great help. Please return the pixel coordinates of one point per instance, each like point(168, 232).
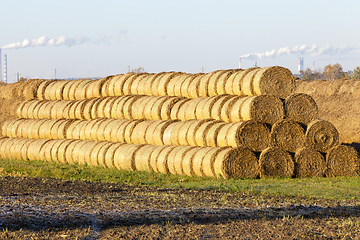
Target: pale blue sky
point(100, 38)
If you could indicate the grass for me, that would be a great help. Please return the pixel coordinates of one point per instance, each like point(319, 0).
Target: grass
point(340, 188)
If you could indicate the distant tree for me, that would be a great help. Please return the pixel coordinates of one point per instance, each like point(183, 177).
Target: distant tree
point(22, 79)
point(332, 72)
point(356, 73)
point(306, 75)
point(138, 70)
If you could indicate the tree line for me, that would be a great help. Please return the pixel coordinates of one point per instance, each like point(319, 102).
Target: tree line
point(331, 72)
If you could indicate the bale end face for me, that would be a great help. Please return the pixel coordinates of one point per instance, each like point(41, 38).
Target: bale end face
point(276, 162)
point(342, 160)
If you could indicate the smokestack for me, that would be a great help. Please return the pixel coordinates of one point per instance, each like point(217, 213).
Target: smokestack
point(0, 66)
point(300, 65)
point(5, 68)
point(239, 63)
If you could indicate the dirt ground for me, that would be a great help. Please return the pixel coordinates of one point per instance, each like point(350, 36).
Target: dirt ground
point(34, 208)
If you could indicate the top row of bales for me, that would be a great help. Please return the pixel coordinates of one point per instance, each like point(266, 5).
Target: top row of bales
point(274, 80)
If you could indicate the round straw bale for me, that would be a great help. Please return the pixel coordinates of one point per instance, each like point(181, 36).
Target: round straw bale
point(124, 156)
point(41, 89)
point(198, 161)
point(144, 83)
point(129, 81)
point(155, 84)
point(82, 133)
point(117, 110)
point(33, 152)
point(71, 127)
point(45, 130)
point(61, 152)
point(159, 159)
point(157, 107)
point(247, 82)
point(265, 108)
point(155, 132)
point(148, 107)
point(134, 88)
point(101, 107)
point(29, 108)
point(213, 81)
point(66, 89)
point(69, 150)
point(167, 133)
point(30, 88)
point(238, 81)
point(183, 132)
point(212, 134)
point(109, 128)
point(5, 128)
point(6, 154)
point(321, 135)
point(179, 161)
point(85, 152)
point(45, 150)
point(301, 107)
point(93, 89)
point(287, 135)
point(309, 163)
point(119, 134)
point(88, 128)
point(72, 109)
point(98, 154)
point(22, 129)
point(118, 84)
point(137, 108)
point(186, 91)
point(175, 87)
point(128, 131)
point(19, 110)
point(228, 89)
point(236, 163)
point(171, 84)
point(58, 89)
point(13, 128)
point(162, 83)
point(34, 128)
point(193, 90)
point(182, 112)
point(88, 108)
point(69, 90)
point(138, 135)
point(116, 128)
point(154, 158)
point(57, 111)
point(275, 80)
point(52, 156)
point(142, 158)
point(200, 107)
point(77, 129)
point(76, 151)
point(204, 84)
point(175, 132)
point(215, 111)
point(342, 160)
point(59, 129)
point(222, 80)
point(190, 112)
point(171, 159)
point(226, 107)
point(201, 132)
point(49, 92)
point(105, 87)
point(100, 130)
point(127, 108)
point(108, 107)
point(276, 162)
point(193, 128)
point(81, 90)
point(176, 107)
point(13, 150)
point(187, 162)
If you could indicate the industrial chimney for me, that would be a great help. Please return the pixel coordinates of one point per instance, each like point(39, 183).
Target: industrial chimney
point(300, 65)
point(5, 68)
point(0, 66)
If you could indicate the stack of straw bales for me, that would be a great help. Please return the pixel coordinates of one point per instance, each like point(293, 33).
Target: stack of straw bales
point(227, 123)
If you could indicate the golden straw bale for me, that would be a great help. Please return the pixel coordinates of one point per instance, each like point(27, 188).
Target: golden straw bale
point(171, 160)
point(77, 129)
point(61, 152)
point(342, 160)
point(201, 132)
point(309, 163)
point(59, 129)
point(86, 152)
point(108, 107)
point(217, 106)
point(213, 82)
point(265, 108)
point(223, 80)
point(190, 86)
point(168, 133)
point(116, 84)
point(100, 131)
point(176, 90)
point(166, 107)
point(100, 109)
point(129, 130)
point(301, 107)
point(200, 107)
point(190, 112)
point(33, 149)
point(321, 135)
point(14, 151)
point(124, 156)
point(276, 162)
point(118, 130)
point(129, 82)
point(134, 88)
point(287, 135)
point(204, 83)
point(183, 130)
point(88, 108)
point(198, 162)
point(138, 107)
point(45, 152)
point(142, 86)
point(155, 132)
point(76, 153)
point(156, 87)
point(138, 135)
point(142, 158)
point(179, 161)
point(225, 109)
point(237, 87)
point(171, 84)
point(109, 128)
point(41, 89)
point(57, 111)
point(149, 105)
point(157, 107)
point(176, 107)
point(212, 134)
point(163, 82)
point(155, 156)
point(228, 88)
point(109, 155)
point(181, 114)
point(98, 154)
point(117, 110)
point(193, 128)
point(236, 163)
point(175, 133)
point(93, 89)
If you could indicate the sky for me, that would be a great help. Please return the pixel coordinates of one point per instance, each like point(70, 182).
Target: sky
point(83, 39)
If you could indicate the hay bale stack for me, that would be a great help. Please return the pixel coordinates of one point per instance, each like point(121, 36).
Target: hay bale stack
point(321, 135)
point(309, 163)
point(276, 162)
point(124, 156)
point(301, 107)
point(142, 158)
point(264, 108)
point(342, 160)
point(236, 163)
point(287, 135)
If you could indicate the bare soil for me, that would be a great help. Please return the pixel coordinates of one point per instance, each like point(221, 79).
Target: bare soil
point(35, 208)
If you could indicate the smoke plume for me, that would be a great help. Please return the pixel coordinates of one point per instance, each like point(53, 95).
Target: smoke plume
point(47, 42)
point(303, 50)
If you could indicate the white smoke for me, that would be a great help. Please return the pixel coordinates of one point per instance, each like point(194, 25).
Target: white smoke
point(303, 50)
point(44, 41)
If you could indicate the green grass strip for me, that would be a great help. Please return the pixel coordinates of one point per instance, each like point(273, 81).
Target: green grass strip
point(340, 188)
